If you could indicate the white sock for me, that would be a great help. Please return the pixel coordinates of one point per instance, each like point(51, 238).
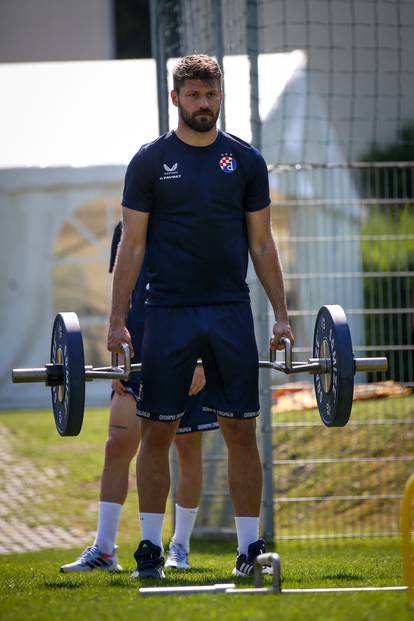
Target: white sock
point(151, 527)
point(184, 524)
point(108, 520)
point(247, 532)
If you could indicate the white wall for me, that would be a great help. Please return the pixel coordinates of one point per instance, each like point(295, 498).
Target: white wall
point(76, 114)
point(54, 30)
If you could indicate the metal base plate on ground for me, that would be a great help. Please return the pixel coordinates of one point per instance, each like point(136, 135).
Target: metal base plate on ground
point(187, 590)
point(231, 590)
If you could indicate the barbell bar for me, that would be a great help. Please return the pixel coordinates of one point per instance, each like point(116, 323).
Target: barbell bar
point(333, 367)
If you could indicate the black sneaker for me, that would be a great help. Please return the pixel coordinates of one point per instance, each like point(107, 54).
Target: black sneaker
point(245, 562)
point(149, 561)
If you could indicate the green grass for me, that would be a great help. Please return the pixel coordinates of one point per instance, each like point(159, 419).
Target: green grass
point(32, 588)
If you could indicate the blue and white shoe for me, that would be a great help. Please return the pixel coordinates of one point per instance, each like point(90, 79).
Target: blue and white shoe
point(245, 562)
point(150, 561)
point(177, 556)
point(93, 558)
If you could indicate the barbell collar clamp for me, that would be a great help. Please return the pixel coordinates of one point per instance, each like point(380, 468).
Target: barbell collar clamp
point(54, 373)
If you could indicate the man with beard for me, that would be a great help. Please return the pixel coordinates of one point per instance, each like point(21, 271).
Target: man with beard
point(196, 202)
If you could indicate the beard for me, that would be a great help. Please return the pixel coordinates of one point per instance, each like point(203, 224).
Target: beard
point(201, 121)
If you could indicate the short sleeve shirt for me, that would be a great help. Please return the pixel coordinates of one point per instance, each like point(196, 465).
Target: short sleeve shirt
point(197, 197)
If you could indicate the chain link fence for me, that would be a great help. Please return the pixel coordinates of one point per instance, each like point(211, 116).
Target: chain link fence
point(321, 85)
point(350, 239)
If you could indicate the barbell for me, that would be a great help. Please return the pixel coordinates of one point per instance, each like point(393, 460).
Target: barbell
point(333, 367)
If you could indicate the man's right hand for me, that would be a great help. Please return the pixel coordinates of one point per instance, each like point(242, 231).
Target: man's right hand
point(118, 334)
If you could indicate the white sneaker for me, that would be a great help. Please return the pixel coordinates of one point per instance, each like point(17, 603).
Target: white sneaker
point(93, 558)
point(177, 557)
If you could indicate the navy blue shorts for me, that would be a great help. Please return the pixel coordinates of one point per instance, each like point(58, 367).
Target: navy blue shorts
point(194, 419)
point(222, 335)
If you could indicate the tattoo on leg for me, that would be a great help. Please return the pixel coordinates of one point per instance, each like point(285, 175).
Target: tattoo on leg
point(119, 426)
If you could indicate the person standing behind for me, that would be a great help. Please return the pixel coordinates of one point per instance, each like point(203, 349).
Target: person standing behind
point(122, 445)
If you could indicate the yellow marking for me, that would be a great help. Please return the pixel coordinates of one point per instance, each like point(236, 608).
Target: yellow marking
point(406, 538)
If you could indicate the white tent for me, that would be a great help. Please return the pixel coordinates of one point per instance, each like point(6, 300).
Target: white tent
point(324, 210)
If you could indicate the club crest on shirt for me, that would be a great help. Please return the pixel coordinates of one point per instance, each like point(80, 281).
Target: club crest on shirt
point(227, 163)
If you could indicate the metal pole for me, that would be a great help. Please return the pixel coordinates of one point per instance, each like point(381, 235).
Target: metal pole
point(266, 423)
point(217, 31)
point(158, 26)
point(253, 56)
point(263, 306)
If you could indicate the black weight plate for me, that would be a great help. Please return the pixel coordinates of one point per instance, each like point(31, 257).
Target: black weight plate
point(334, 391)
point(68, 400)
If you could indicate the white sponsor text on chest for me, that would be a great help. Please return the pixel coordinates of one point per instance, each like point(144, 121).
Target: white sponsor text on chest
point(170, 172)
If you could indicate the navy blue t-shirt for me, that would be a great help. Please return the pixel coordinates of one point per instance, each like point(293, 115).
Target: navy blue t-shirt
point(197, 247)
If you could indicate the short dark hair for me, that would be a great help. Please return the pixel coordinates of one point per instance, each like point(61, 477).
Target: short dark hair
point(196, 67)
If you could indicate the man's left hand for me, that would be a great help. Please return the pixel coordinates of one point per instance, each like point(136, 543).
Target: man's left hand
point(198, 383)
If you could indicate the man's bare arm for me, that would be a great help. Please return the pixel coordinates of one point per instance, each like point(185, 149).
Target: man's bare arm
point(266, 261)
point(131, 251)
